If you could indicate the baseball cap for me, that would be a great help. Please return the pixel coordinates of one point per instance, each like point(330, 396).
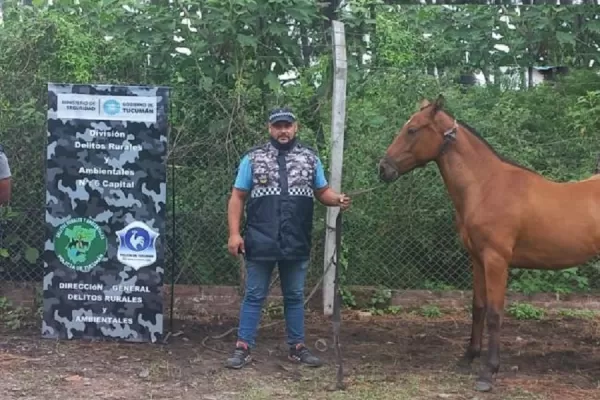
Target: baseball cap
point(281, 114)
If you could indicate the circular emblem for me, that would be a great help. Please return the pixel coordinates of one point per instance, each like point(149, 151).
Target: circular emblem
point(137, 239)
point(112, 107)
point(80, 244)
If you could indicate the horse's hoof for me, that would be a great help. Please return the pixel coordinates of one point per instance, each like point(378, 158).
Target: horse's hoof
point(483, 386)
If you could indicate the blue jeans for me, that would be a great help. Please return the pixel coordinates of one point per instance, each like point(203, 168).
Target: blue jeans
point(258, 278)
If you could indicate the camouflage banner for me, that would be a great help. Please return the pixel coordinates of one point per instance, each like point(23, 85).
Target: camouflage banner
point(104, 256)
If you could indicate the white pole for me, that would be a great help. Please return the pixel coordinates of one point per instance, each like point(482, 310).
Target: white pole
point(338, 117)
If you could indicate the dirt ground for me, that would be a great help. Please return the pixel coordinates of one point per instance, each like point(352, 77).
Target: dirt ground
point(393, 357)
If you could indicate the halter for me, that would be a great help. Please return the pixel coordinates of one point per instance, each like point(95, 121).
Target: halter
point(449, 136)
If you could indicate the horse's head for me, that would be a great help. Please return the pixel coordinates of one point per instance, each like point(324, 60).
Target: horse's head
point(420, 141)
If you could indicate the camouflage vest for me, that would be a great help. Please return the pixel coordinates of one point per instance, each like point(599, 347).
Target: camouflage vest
point(279, 209)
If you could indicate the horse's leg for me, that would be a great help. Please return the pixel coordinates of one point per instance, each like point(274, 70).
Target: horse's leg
point(478, 314)
point(495, 274)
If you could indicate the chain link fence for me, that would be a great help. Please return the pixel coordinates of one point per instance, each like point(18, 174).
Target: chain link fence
point(23, 221)
point(200, 180)
point(400, 236)
point(403, 235)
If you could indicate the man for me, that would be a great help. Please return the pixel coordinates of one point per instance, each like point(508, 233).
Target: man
point(5, 179)
point(277, 181)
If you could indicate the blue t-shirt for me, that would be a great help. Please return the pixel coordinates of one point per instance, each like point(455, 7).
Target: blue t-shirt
point(4, 166)
point(243, 181)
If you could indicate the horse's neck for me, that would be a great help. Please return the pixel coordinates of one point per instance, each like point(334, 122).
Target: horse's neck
point(466, 165)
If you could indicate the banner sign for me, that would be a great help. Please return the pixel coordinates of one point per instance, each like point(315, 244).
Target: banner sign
point(104, 256)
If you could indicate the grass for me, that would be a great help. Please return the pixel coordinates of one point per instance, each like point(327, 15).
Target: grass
point(376, 386)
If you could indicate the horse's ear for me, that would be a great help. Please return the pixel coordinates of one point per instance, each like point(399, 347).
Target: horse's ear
point(439, 103)
point(424, 103)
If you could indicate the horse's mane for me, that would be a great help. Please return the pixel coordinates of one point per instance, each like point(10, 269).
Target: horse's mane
point(476, 134)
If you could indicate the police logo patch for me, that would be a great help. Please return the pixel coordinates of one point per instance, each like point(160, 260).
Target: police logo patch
point(263, 179)
point(137, 245)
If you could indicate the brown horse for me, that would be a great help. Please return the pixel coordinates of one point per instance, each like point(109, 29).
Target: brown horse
point(505, 215)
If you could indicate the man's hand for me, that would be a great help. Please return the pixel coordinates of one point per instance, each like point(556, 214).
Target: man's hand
point(235, 245)
point(331, 198)
point(345, 202)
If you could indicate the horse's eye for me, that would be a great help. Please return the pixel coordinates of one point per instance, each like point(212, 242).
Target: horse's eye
point(412, 131)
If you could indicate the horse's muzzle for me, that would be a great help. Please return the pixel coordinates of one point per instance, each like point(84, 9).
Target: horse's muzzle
point(387, 171)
